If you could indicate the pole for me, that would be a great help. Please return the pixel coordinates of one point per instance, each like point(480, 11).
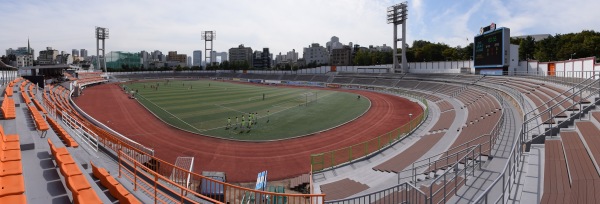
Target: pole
point(395, 51)
point(404, 64)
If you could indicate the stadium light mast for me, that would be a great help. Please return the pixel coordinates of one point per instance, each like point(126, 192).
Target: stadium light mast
point(208, 36)
point(101, 35)
point(396, 15)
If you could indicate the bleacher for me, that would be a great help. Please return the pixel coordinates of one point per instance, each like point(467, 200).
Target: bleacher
point(570, 174)
point(87, 78)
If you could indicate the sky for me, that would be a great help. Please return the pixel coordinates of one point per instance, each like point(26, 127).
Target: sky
point(280, 25)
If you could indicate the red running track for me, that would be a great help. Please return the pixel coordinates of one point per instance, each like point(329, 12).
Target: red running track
point(241, 161)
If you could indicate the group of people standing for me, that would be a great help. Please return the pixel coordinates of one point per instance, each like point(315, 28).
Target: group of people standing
point(252, 120)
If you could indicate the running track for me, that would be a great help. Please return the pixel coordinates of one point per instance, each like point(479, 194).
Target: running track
point(241, 161)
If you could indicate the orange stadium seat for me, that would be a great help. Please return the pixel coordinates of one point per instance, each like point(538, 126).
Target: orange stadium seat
point(8, 138)
point(10, 155)
point(114, 187)
point(10, 168)
point(14, 199)
point(14, 145)
point(87, 196)
point(69, 170)
point(12, 185)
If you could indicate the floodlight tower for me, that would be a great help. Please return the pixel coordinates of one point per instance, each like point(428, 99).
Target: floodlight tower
point(101, 35)
point(208, 36)
point(396, 15)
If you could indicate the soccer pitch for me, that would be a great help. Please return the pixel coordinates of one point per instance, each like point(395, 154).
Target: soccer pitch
point(203, 106)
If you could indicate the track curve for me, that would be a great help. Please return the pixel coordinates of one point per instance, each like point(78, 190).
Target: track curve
point(241, 161)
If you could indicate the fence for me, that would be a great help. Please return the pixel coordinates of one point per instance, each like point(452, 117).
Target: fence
point(333, 158)
point(403, 193)
point(158, 180)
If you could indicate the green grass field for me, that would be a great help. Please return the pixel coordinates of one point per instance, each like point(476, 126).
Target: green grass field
point(204, 106)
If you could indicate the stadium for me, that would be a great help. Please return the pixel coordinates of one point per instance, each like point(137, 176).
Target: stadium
point(497, 128)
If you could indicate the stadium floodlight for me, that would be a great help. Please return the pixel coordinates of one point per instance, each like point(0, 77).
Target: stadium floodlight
point(101, 35)
point(208, 36)
point(396, 15)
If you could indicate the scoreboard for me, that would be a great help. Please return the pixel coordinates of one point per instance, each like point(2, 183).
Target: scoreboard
point(492, 49)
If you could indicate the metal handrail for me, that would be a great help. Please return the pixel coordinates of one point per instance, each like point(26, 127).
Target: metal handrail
point(561, 94)
point(381, 194)
point(515, 153)
point(549, 111)
point(494, 131)
point(467, 164)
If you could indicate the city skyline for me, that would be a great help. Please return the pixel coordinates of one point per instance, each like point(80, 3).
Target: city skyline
point(278, 25)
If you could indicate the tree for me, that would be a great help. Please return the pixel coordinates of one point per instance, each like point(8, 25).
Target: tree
point(526, 48)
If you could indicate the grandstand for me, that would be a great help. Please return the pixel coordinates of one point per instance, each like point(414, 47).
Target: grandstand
point(480, 139)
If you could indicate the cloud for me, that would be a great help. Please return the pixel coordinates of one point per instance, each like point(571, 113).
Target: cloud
point(281, 25)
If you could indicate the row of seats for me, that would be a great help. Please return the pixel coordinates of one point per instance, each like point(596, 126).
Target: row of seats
point(26, 98)
point(114, 187)
point(8, 108)
point(62, 133)
point(9, 90)
point(76, 182)
point(40, 123)
point(12, 185)
point(39, 106)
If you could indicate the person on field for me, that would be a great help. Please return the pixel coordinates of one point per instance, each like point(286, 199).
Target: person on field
point(256, 118)
point(243, 124)
point(228, 123)
point(237, 122)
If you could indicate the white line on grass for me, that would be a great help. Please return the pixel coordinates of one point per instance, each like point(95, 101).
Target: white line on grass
point(170, 113)
point(271, 113)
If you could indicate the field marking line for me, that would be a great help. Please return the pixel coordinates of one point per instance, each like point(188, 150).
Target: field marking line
point(219, 105)
point(170, 113)
point(271, 113)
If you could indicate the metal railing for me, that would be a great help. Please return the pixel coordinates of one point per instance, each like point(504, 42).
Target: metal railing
point(568, 78)
point(402, 193)
point(84, 133)
point(446, 158)
point(469, 161)
point(158, 180)
point(508, 175)
point(330, 159)
point(439, 191)
point(591, 89)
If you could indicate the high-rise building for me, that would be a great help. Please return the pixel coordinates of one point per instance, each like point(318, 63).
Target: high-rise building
point(83, 53)
point(197, 60)
point(189, 61)
point(157, 56)
point(146, 59)
point(334, 43)
point(75, 52)
point(262, 60)
point(240, 54)
point(316, 53)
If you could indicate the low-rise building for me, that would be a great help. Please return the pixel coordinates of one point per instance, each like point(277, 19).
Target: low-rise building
point(341, 56)
point(48, 56)
point(316, 53)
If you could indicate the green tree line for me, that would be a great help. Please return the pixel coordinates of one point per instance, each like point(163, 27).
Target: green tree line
point(560, 46)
